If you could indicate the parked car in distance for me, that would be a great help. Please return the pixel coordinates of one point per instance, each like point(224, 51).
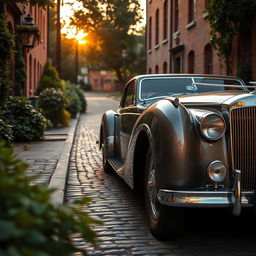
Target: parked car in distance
point(183, 141)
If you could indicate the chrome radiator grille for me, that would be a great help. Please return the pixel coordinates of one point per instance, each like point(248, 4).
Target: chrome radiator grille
point(243, 137)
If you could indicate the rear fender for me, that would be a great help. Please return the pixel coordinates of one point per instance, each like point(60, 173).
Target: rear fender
point(108, 132)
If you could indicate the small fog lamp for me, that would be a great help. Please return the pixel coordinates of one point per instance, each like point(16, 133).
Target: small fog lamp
point(217, 171)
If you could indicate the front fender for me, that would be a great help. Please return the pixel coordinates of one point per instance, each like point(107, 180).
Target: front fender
point(175, 141)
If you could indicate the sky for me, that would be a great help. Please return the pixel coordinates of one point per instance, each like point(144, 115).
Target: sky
point(71, 32)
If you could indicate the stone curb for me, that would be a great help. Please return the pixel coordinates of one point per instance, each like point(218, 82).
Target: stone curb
point(58, 179)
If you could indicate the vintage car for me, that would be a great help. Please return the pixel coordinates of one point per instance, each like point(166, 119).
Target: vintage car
point(184, 141)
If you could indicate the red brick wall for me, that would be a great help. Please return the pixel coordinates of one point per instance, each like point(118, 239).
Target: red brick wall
point(158, 54)
point(101, 80)
point(195, 38)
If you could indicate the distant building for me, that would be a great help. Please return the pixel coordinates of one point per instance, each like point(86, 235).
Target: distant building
point(178, 40)
point(36, 58)
point(101, 80)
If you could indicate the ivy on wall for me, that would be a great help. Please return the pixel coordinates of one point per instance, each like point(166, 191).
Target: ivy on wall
point(20, 71)
point(226, 18)
point(7, 53)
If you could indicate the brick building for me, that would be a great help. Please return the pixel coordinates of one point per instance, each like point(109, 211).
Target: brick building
point(178, 40)
point(101, 80)
point(36, 58)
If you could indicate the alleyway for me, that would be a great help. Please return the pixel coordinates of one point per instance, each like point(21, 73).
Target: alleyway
point(125, 232)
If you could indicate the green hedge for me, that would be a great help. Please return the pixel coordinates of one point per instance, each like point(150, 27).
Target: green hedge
point(53, 103)
point(30, 225)
point(27, 123)
point(6, 133)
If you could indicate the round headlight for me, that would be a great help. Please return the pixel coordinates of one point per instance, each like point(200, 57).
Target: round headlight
point(212, 126)
point(217, 171)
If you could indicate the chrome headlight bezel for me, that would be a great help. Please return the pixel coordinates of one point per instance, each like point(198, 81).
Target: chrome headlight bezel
point(217, 171)
point(212, 126)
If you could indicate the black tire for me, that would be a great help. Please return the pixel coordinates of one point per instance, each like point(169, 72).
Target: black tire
point(164, 222)
point(105, 164)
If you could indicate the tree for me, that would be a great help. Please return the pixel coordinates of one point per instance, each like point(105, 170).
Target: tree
point(227, 19)
point(112, 41)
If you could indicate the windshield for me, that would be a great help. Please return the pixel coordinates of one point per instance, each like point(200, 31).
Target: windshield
point(175, 86)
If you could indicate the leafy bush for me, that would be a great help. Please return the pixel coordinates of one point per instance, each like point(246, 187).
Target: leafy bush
point(82, 99)
point(29, 223)
point(6, 132)
point(74, 103)
point(28, 123)
point(50, 79)
point(53, 102)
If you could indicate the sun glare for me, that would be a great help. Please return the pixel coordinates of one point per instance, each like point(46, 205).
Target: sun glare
point(71, 31)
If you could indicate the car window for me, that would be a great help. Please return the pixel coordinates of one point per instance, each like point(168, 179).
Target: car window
point(129, 95)
point(175, 86)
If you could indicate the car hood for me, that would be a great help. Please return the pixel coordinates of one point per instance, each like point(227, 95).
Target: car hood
point(215, 98)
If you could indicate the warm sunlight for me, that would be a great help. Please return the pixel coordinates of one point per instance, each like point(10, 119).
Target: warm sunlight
point(70, 31)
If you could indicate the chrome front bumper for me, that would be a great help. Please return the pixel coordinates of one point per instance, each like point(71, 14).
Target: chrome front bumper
point(233, 198)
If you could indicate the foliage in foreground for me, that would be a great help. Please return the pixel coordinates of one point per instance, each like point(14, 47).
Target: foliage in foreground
point(53, 103)
point(29, 223)
point(27, 123)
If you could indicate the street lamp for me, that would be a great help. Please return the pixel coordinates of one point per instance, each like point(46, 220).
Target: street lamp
point(28, 32)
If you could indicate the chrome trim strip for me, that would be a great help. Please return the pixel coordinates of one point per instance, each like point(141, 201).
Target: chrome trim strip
point(237, 193)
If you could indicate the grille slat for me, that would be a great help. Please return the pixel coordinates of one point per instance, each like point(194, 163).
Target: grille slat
point(243, 132)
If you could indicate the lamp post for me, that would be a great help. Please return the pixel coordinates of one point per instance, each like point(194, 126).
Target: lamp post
point(76, 62)
point(58, 39)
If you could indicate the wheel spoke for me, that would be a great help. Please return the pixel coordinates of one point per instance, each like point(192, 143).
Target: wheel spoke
point(152, 192)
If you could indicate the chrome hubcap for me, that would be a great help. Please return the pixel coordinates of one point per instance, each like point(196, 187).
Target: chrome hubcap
point(152, 193)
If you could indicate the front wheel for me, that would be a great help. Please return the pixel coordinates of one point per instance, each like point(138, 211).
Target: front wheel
point(164, 222)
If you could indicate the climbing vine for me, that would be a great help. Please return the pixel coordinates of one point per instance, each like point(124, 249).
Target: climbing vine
point(226, 18)
point(7, 53)
point(20, 71)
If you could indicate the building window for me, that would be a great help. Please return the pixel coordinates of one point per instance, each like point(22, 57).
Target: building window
point(157, 27)
point(165, 67)
point(150, 33)
point(191, 10)
point(191, 62)
point(150, 71)
point(176, 15)
point(156, 69)
point(177, 64)
point(208, 59)
point(165, 22)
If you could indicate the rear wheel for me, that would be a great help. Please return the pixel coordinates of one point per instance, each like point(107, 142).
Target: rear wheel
point(164, 222)
point(106, 166)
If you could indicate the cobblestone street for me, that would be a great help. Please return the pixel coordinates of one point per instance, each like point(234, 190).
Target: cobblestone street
point(125, 232)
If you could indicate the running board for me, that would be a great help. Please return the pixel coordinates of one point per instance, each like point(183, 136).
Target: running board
point(115, 163)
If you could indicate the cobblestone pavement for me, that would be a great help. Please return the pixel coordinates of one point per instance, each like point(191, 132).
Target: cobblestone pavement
point(42, 158)
point(207, 232)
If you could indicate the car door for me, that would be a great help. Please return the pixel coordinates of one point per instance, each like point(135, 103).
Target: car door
point(128, 116)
